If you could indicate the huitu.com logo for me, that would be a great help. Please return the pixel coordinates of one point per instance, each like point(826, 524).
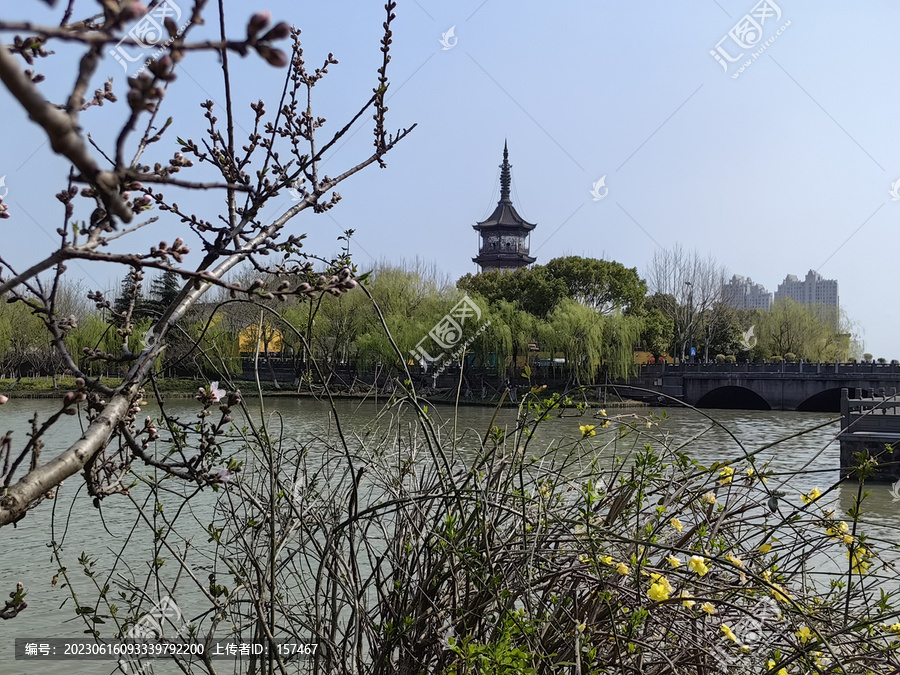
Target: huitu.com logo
point(448, 40)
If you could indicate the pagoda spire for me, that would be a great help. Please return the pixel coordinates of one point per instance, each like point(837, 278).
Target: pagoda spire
point(505, 177)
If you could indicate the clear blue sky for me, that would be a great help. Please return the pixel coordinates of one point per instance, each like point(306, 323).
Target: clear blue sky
point(786, 168)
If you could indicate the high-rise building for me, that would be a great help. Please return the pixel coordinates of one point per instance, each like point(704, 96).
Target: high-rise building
point(505, 236)
point(814, 290)
point(742, 293)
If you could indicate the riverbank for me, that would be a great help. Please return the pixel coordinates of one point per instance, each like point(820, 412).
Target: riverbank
point(174, 388)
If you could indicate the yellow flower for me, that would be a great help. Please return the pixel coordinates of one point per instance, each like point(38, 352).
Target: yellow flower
point(770, 664)
point(725, 475)
point(603, 412)
point(765, 548)
point(604, 424)
point(729, 633)
point(709, 608)
point(847, 539)
point(750, 473)
point(580, 627)
point(583, 558)
point(812, 496)
point(606, 559)
point(859, 561)
point(674, 522)
point(587, 430)
point(622, 569)
point(659, 592)
point(674, 561)
point(734, 560)
point(804, 634)
point(687, 603)
point(894, 628)
point(698, 564)
point(709, 498)
point(837, 530)
point(779, 593)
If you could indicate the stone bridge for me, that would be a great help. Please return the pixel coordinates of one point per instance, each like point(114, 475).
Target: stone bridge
point(807, 387)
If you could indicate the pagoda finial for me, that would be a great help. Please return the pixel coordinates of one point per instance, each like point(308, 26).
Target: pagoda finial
point(505, 177)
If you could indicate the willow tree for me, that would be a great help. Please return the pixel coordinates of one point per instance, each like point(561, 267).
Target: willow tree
point(138, 172)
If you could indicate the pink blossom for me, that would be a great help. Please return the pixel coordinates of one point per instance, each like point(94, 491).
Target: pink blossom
point(221, 474)
point(215, 393)
point(3, 399)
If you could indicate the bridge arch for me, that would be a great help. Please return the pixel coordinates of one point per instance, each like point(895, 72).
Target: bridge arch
point(828, 400)
point(733, 398)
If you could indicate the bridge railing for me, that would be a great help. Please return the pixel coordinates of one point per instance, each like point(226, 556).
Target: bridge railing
point(870, 412)
point(877, 369)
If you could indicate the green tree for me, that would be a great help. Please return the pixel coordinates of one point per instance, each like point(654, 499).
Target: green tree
point(657, 332)
point(533, 288)
point(605, 285)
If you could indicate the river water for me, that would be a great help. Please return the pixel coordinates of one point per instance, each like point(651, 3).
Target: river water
point(26, 556)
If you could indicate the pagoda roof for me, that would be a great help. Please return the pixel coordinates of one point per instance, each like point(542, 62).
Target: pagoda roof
point(505, 215)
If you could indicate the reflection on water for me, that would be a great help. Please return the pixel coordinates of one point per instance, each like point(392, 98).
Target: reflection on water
point(26, 556)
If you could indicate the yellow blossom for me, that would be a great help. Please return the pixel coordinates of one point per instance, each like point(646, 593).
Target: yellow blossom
point(603, 412)
point(606, 559)
point(659, 592)
point(709, 498)
point(674, 561)
point(725, 475)
point(604, 424)
point(709, 608)
point(812, 496)
point(580, 627)
point(894, 628)
point(859, 560)
point(750, 473)
point(734, 560)
point(698, 564)
point(686, 602)
point(729, 633)
point(779, 593)
point(583, 558)
point(587, 430)
point(847, 539)
point(622, 569)
point(770, 664)
point(804, 634)
point(674, 522)
point(837, 530)
point(765, 548)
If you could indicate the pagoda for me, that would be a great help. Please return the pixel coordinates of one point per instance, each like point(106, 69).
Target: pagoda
point(504, 240)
